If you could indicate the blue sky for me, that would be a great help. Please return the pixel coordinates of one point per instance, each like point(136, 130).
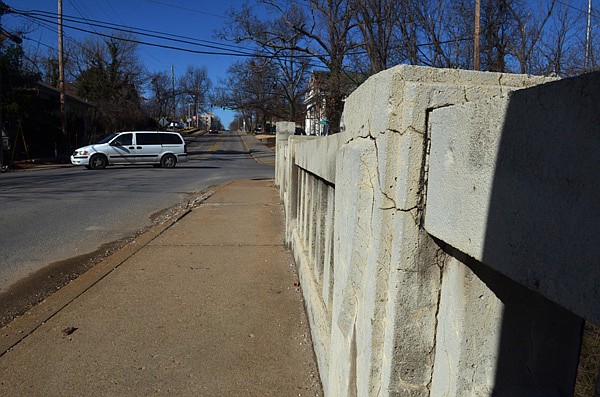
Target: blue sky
point(196, 19)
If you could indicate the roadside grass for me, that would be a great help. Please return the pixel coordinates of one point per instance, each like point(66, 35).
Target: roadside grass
point(587, 383)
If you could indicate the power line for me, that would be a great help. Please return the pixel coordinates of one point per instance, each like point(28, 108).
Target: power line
point(79, 11)
point(185, 9)
point(170, 47)
point(48, 17)
point(112, 12)
point(224, 50)
point(41, 43)
point(44, 17)
point(41, 24)
point(593, 13)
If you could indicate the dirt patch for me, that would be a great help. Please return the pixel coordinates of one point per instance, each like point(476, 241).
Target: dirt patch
point(35, 288)
point(588, 373)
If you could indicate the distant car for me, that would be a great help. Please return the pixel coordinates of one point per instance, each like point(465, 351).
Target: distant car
point(161, 149)
point(176, 125)
point(213, 130)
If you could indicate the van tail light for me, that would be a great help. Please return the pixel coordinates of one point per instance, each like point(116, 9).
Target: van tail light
point(185, 149)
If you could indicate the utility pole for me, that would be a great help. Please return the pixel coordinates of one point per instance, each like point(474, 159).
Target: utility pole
point(173, 88)
point(61, 79)
point(588, 36)
point(476, 38)
point(3, 10)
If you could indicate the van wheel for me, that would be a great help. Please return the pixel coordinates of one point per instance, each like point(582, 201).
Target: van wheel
point(168, 161)
point(98, 162)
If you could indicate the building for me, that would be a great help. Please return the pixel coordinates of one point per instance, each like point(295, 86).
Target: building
point(316, 121)
point(34, 130)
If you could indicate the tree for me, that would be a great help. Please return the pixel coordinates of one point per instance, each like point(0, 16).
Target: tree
point(529, 29)
point(111, 77)
point(435, 32)
point(377, 28)
point(326, 36)
point(278, 42)
point(562, 48)
point(292, 69)
point(406, 26)
point(237, 124)
point(17, 90)
point(249, 88)
point(331, 30)
point(49, 64)
point(162, 100)
point(498, 30)
point(194, 87)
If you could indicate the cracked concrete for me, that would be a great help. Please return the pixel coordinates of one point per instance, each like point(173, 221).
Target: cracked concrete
point(387, 271)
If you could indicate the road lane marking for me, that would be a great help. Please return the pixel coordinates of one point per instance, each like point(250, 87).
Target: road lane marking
point(210, 150)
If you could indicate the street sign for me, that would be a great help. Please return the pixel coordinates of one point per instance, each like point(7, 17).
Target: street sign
point(163, 122)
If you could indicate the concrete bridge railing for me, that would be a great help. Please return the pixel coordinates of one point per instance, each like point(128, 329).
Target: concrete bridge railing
point(447, 240)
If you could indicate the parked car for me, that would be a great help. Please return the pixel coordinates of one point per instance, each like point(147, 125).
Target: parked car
point(161, 149)
point(176, 125)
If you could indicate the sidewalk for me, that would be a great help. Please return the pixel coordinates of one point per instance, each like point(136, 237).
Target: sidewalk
point(207, 305)
point(259, 151)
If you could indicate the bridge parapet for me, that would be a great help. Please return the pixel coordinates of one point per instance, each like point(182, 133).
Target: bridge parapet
point(416, 276)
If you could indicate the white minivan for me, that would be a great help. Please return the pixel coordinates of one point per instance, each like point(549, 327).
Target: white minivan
point(161, 149)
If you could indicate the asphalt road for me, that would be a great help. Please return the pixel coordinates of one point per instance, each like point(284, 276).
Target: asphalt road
point(50, 215)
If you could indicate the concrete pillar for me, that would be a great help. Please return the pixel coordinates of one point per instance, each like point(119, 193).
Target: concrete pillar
point(285, 129)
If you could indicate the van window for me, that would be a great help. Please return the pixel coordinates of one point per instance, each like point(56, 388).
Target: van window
point(170, 139)
point(123, 140)
point(106, 138)
point(147, 138)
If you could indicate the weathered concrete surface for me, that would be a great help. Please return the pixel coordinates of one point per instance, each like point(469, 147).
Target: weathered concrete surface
point(497, 338)
point(287, 178)
point(393, 107)
point(514, 182)
point(285, 129)
point(323, 149)
point(400, 302)
point(468, 335)
point(208, 308)
point(381, 251)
